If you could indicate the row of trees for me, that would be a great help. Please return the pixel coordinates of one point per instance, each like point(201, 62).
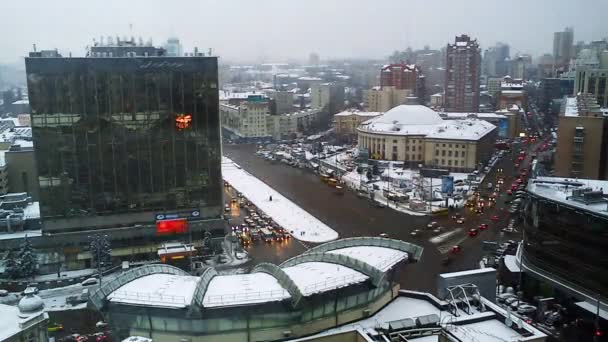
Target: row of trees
point(23, 263)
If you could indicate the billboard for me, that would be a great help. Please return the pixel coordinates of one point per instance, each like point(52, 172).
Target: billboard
point(503, 128)
point(447, 184)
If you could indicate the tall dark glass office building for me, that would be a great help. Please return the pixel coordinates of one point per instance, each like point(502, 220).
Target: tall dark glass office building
point(125, 141)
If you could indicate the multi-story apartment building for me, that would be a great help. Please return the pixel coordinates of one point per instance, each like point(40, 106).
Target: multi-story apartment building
point(582, 140)
point(327, 95)
point(346, 122)
point(593, 81)
point(462, 75)
point(248, 119)
point(380, 99)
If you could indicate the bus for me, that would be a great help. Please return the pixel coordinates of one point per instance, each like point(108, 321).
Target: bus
point(332, 182)
point(266, 234)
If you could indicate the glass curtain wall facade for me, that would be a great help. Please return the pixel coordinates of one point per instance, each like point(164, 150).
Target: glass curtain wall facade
point(119, 140)
point(567, 243)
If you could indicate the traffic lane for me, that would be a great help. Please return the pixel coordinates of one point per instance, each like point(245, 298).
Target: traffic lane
point(259, 251)
point(351, 216)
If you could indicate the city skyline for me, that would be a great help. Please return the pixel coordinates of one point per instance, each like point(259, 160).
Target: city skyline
point(240, 31)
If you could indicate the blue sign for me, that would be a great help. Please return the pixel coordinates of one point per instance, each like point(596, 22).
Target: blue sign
point(503, 128)
point(194, 214)
point(447, 184)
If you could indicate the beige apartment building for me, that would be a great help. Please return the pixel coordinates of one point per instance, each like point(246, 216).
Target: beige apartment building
point(582, 139)
point(346, 122)
point(416, 135)
point(381, 99)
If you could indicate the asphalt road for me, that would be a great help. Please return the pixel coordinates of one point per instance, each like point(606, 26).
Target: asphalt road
point(352, 216)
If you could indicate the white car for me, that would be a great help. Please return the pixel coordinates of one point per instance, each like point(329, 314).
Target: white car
point(241, 255)
point(89, 282)
point(432, 224)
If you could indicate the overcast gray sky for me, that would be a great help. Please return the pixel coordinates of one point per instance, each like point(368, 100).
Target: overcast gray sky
point(273, 30)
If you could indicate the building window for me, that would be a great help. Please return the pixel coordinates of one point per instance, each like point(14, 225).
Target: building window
point(442, 161)
point(456, 154)
point(443, 153)
point(436, 152)
point(407, 148)
point(449, 162)
point(449, 153)
point(450, 145)
point(413, 148)
point(420, 157)
point(443, 145)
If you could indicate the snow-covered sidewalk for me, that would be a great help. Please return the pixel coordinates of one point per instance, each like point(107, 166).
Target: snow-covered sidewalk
point(290, 216)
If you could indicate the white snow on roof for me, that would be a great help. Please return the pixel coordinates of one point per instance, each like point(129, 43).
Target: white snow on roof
point(283, 211)
point(461, 43)
point(23, 143)
point(468, 272)
point(161, 290)
point(483, 116)
point(21, 235)
point(571, 107)
point(315, 277)
point(560, 190)
point(9, 324)
point(421, 120)
point(469, 129)
point(511, 263)
point(358, 113)
point(380, 257)
point(487, 331)
point(32, 211)
point(243, 289)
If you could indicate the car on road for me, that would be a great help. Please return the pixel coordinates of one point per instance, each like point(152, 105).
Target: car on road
point(54, 327)
point(30, 289)
point(456, 249)
point(415, 232)
point(89, 282)
point(460, 220)
point(383, 235)
point(432, 224)
point(483, 226)
point(456, 216)
point(473, 232)
point(495, 218)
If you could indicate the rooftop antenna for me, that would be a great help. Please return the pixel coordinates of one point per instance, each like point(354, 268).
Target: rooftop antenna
point(210, 52)
point(34, 47)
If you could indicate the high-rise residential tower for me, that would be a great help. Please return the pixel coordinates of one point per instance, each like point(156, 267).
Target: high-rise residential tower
point(463, 59)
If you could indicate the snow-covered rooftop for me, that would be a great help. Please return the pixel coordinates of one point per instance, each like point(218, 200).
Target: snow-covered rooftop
point(161, 290)
point(469, 129)
point(243, 289)
point(571, 107)
point(483, 116)
point(316, 277)
point(358, 113)
point(421, 120)
point(381, 258)
point(560, 190)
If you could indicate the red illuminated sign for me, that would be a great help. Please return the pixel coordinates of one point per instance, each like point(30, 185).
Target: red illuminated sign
point(176, 226)
point(183, 121)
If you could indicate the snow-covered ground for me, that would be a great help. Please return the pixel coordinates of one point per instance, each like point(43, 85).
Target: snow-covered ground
point(66, 274)
point(302, 225)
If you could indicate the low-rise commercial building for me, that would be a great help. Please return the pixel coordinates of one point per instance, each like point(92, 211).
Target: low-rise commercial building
point(582, 139)
point(335, 283)
point(417, 135)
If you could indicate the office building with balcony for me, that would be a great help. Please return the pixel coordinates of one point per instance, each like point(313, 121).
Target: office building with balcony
point(563, 254)
point(123, 143)
point(582, 140)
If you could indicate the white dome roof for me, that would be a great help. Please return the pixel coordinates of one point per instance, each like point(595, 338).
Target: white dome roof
point(30, 303)
point(410, 115)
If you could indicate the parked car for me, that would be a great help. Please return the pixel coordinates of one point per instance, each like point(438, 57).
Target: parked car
point(473, 232)
point(3, 293)
point(30, 289)
point(89, 282)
